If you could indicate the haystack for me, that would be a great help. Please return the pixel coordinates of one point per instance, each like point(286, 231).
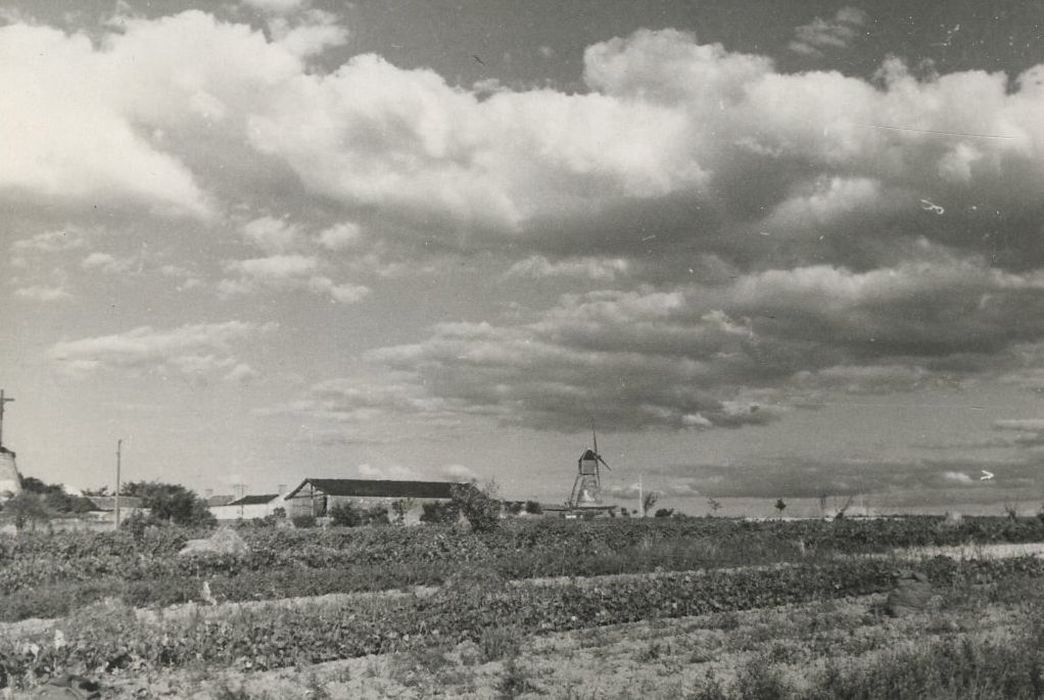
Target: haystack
point(223, 541)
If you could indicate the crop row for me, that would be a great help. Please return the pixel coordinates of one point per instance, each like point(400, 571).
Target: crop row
point(84, 555)
point(106, 639)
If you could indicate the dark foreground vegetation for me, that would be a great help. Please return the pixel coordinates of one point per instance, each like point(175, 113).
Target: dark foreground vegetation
point(94, 582)
point(49, 575)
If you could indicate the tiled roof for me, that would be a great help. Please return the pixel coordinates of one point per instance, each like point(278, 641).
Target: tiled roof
point(378, 488)
point(254, 500)
point(222, 500)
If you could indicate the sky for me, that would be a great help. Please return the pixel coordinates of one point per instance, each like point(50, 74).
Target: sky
point(767, 249)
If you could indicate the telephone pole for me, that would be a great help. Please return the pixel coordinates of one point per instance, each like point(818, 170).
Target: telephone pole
point(119, 449)
point(641, 497)
point(3, 400)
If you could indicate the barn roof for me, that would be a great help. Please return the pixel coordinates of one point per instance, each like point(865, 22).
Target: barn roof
point(254, 500)
point(379, 488)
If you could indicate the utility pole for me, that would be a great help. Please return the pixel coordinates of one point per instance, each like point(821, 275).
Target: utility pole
point(119, 446)
point(641, 497)
point(3, 400)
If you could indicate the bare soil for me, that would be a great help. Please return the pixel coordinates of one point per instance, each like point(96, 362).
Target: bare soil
point(653, 659)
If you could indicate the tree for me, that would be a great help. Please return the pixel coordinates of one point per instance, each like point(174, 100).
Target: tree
point(648, 501)
point(664, 512)
point(55, 498)
point(780, 505)
point(534, 508)
point(400, 508)
point(26, 508)
point(171, 503)
point(479, 505)
point(714, 504)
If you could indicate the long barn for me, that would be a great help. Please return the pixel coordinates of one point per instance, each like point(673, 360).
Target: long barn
point(316, 497)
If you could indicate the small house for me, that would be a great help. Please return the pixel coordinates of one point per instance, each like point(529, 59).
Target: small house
point(251, 507)
point(404, 499)
point(104, 508)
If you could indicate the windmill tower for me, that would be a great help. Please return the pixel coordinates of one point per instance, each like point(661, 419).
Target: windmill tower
point(10, 479)
point(587, 488)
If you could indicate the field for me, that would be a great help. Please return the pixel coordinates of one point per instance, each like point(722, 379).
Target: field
point(701, 607)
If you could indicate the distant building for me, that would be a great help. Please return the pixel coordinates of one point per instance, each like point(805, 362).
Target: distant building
point(317, 497)
point(248, 507)
point(104, 507)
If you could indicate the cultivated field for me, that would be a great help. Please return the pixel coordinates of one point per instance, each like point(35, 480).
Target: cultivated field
point(704, 607)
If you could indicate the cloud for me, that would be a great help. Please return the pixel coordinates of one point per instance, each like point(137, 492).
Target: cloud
point(1033, 425)
point(765, 231)
point(191, 350)
point(837, 33)
point(60, 89)
point(340, 236)
point(730, 355)
point(42, 293)
point(599, 269)
point(271, 235)
point(591, 173)
point(311, 33)
point(923, 482)
point(398, 472)
point(55, 241)
point(242, 373)
point(958, 477)
point(107, 263)
point(286, 271)
point(458, 472)
point(394, 472)
point(347, 400)
point(664, 488)
point(343, 293)
point(277, 6)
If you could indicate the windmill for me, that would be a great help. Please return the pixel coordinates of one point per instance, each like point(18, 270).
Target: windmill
point(587, 489)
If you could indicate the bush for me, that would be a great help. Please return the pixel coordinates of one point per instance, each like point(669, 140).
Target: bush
point(479, 506)
point(345, 515)
point(303, 521)
point(351, 515)
point(439, 512)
